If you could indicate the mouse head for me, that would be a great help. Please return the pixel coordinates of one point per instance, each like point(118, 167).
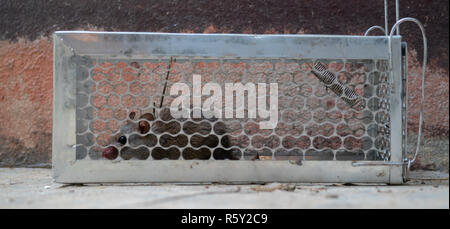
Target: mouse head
point(133, 125)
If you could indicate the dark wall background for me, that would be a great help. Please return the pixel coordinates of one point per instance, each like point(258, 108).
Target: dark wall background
point(31, 19)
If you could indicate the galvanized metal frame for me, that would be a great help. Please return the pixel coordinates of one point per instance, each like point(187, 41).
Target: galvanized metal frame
point(124, 45)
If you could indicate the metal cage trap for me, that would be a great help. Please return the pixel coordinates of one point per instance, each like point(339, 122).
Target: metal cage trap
point(341, 108)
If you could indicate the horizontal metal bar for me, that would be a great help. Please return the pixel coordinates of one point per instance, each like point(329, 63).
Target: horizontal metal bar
point(378, 163)
point(140, 45)
point(88, 171)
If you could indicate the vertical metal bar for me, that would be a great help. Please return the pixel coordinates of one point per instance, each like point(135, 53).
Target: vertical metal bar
point(396, 116)
point(397, 15)
point(386, 25)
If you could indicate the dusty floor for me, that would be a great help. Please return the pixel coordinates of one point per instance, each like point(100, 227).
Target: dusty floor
point(33, 188)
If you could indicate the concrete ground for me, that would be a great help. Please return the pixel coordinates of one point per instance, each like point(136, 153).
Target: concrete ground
point(34, 188)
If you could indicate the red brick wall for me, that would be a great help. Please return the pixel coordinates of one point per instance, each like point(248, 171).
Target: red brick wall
point(26, 52)
point(26, 102)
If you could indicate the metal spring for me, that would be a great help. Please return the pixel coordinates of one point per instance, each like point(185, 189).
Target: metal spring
point(330, 80)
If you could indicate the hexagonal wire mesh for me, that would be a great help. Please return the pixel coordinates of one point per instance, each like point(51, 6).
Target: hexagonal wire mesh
point(334, 95)
point(121, 98)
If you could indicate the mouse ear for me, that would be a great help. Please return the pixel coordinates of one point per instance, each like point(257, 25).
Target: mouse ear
point(132, 115)
point(147, 116)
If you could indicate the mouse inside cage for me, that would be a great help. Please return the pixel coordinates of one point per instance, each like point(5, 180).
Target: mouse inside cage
point(322, 111)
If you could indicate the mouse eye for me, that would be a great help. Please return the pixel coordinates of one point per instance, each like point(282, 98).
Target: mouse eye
point(122, 140)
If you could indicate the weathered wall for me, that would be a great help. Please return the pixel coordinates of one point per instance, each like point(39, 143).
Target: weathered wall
point(26, 53)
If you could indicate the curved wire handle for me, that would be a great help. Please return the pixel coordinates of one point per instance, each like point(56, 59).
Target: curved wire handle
point(422, 29)
point(373, 28)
